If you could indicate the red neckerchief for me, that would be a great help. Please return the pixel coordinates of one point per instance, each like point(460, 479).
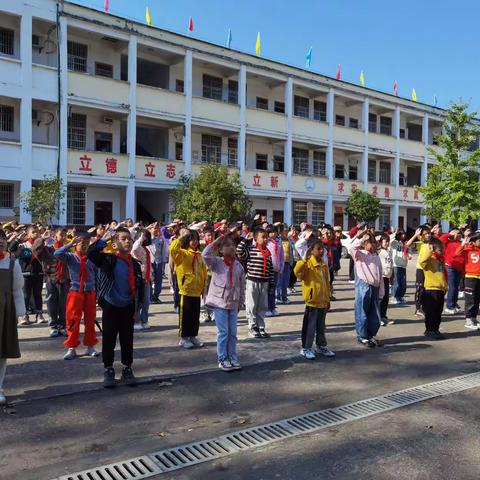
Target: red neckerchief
point(30, 241)
point(265, 254)
point(3, 255)
point(229, 263)
point(83, 271)
point(131, 273)
point(328, 244)
point(56, 246)
point(149, 266)
point(195, 260)
point(405, 249)
point(441, 260)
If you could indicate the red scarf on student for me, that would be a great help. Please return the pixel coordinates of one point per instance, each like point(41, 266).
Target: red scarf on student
point(30, 241)
point(195, 260)
point(148, 272)
point(131, 273)
point(83, 271)
point(3, 255)
point(229, 263)
point(441, 260)
point(265, 253)
point(56, 246)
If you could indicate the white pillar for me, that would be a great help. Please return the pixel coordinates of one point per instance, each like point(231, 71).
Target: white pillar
point(242, 137)
point(63, 121)
point(187, 134)
point(365, 112)
point(329, 155)
point(425, 135)
point(26, 108)
point(394, 212)
point(287, 209)
point(130, 203)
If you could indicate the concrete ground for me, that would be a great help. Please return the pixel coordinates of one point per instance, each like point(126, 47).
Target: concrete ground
point(66, 422)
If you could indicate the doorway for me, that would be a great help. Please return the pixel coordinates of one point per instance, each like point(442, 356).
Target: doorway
point(103, 212)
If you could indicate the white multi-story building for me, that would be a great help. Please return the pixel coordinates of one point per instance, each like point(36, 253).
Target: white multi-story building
point(120, 110)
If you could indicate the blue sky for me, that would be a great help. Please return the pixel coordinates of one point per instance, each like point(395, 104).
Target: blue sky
point(426, 44)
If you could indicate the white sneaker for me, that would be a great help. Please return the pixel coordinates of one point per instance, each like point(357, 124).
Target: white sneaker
point(41, 319)
point(394, 301)
point(137, 326)
point(449, 311)
point(471, 324)
point(458, 309)
point(325, 351)
point(54, 333)
point(25, 320)
point(419, 313)
point(461, 294)
point(225, 365)
point(289, 291)
point(3, 400)
point(351, 282)
point(70, 355)
point(235, 364)
point(196, 342)
point(145, 326)
point(275, 313)
point(91, 352)
point(185, 343)
point(307, 353)
point(268, 313)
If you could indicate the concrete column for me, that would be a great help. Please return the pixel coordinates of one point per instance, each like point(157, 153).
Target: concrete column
point(242, 137)
point(394, 212)
point(26, 108)
point(287, 210)
point(329, 155)
point(187, 134)
point(130, 200)
point(364, 175)
point(425, 134)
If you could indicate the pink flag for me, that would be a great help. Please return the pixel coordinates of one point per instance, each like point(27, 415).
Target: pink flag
point(338, 76)
point(106, 6)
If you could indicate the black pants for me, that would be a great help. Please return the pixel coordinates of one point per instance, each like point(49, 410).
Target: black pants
point(117, 321)
point(351, 269)
point(189, 316)
point(419, 288)
point(386, 298)
point(33, 288)
point(56, 300)
point(472, 297)
point(293, 278)
point(432, 303)
point(313, 324)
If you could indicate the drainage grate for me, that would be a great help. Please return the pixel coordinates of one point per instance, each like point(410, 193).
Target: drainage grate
point(199, 452)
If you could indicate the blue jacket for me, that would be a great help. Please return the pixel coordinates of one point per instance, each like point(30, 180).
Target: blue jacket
point(72, 261)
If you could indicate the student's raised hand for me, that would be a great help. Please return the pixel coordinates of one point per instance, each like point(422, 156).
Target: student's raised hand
point(436, 228)
point(108, 235)
point(307, 234)
point(418, 232)
point(249, 236)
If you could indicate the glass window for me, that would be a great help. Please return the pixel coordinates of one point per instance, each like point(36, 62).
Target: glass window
point(300, 161)
point(77, 131)
point(278, 163)
point(372, 171)
point(352, 172)
point(232, 152)
point(6, 195)
point(77, 56)
point(262, 103)
point(301, 106)
point(340, 120)
point(7, 38)
point(179, 86)
point(414, 132)
point(318, 213)
point(320, 111)
point(261, 161)
point(103, 70)
point(179, 151)
point(76, 200)
point(384, 216)
point(385, 172)
point(103, 142)
point(6, 118)
point(385, 125)
point(279, 107)
point(212, 87)
point(300, 212)
point(339, 170)
point(232, 91)
point(372, 123)
point(211, 149)
point(319, 163)
point(353, 123)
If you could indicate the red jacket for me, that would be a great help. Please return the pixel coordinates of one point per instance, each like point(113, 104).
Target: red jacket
point(471, 255)
point(451, 258)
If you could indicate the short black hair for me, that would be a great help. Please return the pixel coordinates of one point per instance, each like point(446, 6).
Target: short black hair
point(118, 231)
point(191, 235)
point(258, 231)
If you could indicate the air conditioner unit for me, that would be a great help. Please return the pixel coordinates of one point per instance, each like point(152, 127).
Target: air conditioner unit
point(108, 121)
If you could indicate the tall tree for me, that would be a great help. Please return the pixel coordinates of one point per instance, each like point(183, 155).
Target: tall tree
point(452, 191)
point(213, 194)
point(363, 206)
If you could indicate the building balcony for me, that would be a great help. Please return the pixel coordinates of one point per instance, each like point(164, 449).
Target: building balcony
point(265, 122)
point(44, 160)
point(11, 69)
point(411, 148)
point(348, 137)
point(309, 184)
point(208, 111)
point(310, 130)
point(379, 142)
point(166, 102)
point(160, 170)
point(43, 78)
point(274, 183)
point(102, 164)
point(11, 156)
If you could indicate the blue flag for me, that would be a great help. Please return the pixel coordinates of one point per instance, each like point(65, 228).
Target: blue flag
point(435, 100)
point(309, 57)
point(229, 39)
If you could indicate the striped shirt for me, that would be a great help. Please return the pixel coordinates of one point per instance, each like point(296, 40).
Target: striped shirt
point(248, 252)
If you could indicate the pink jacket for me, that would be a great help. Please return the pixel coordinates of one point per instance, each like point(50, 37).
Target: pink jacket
point(368, 266)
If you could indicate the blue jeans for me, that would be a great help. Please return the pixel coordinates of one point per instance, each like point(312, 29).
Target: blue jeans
point(158, 271)
point(367, 310)
point(454, 277)
point(226, 322)
point(271, 296)
point(143, 317)
point(283, 281)
point(399, 286)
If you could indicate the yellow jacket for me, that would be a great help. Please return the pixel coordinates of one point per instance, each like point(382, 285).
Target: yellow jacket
point(190, 269)
point(315, 282)
point(433, 269)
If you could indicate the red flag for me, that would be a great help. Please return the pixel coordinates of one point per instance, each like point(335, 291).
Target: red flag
point(106, 6)
point(395, 90)
point(190, 24)
point(338, 73)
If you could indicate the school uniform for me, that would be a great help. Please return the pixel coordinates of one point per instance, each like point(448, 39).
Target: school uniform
point(471, 256)
point(400, 255)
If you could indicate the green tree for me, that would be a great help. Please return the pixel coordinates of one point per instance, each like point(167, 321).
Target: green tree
point(452, 191)
point(43, 201)
point(363, 206)
point(213, 194)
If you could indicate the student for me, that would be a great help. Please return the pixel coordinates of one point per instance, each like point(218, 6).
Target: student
point(433, 264)
point(469, 252)
point(333, 254)
point(253, 251)
point(314, 274)
point(120, 290)
point(400, 255)
point(12, 306)
point(284, 279)
point(81, 299)
point(159, 251)
point(191, 278)
point(226, 295)
point(206, 313)
point(369, 287)
point(278, 262)
point(385, 255)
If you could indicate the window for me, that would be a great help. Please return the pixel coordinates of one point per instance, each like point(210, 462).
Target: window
point(77, 56)
point(401, 179)
point(318, 213)
point(372, 171)
point(6, 118)
point(103, 70)
point(372, 123)
point(300, 161)
point(212, 87)
point(385, 125)
point(385, 172)
point(261, 161)
point(279, 107)
point(211, 149)
point(402, 133)
point(76, 196)
point(353, 123)
point(320, 111)
point(6, 195)
point(7, 38)
point(340, 120)
point(179, 86)
point(352, 172)
point(339, 170)
point(179, 151)
point(232, 152)
point(278, 163)
point(414, 132)
point(319, 163)
point(384, 216)
point(77, 131)
point(262, 103)
point(301, 106)
point(300, 212)
point(103, 142)
point(232, 91)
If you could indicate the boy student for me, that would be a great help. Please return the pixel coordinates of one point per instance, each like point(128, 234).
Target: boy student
point(369, 287)
point(159, 251)
point(433, 264)
point(260, 280)
point(81, 299)
point(206, 314)
point(314, 274)
point(283, 281)
point(120, 290)
point(385, 255)
point(401, 255)
point(278, 262)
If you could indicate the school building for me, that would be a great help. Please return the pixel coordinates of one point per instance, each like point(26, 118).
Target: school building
point(121, 110)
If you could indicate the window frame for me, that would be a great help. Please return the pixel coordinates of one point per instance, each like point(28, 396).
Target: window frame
point(299, 110)
point(212, 87)
point(211, 148)
point(7, 45)
point(261, 103)
point(109, 70)
point(319, 164)
point(300, 161)
point(7, 118)
point(77, 134)
point(261, 157)
point(75, 61)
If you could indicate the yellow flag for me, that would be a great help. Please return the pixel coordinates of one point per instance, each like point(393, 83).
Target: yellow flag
point(148, 18)
point(414, 95)
point(257, 46)
point(362, 78)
